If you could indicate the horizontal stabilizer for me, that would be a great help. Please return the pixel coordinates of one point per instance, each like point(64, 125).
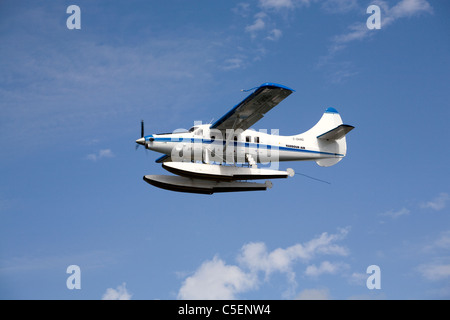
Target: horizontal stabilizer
point(336, 133)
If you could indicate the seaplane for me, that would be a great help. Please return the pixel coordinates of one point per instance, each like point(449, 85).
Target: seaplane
point(223, 156)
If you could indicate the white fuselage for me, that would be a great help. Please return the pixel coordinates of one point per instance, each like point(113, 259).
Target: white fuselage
point(209, 146)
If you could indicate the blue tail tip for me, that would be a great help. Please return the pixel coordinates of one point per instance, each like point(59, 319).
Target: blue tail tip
point(331, 110)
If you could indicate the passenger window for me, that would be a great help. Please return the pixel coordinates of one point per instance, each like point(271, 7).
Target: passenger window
point(235, 138)
point(247, 139)
point(256, 139)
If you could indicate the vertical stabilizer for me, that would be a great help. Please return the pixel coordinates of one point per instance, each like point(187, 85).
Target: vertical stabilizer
point(329, 134)
point(330, 120)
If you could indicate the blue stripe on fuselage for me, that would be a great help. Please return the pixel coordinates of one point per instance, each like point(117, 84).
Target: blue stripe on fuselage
point(245, 145)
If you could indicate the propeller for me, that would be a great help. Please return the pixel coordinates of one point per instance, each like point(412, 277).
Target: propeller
point(141, 141)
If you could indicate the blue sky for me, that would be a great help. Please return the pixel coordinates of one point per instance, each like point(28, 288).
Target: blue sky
point(72, 192)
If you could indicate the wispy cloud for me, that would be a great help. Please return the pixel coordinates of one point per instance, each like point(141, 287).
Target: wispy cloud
point(404, 8)
point(283, 4)
point(358, 278)
point(339, 6)
point(396, 213)
point(215, 279)
point(443, 242)
point(88, 260)
point(274, 34)
point(436, 264)
point(237, 62)
point(314, 294)
point(54, 83)
point(258, 24)
point(103, 153)
point(120, 293)
point(263, 24)
point(242, 9)
point(359, 31)
point(438, 203)
point(435, 271)
point(326, 267)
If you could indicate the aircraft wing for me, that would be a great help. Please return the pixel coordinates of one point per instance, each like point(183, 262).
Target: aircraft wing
point(253, 108)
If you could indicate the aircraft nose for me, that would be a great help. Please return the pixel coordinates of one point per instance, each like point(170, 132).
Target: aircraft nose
point(141, 141)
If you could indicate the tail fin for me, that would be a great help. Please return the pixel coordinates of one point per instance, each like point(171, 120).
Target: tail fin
point(330, 133)
point(330, 120)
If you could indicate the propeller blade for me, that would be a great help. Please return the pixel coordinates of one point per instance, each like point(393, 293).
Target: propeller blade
point(142, 139)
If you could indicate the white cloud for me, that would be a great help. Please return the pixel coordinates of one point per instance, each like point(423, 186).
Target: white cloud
point(325, 267)
point(340, 72)
point(282, 4)
point(74, 88)
point(396, 213)
point(359, 30)
point(215, 279)
point(103, 153)
point(242, 9)
point(443, 242)
point(120, 293)
point(358, 278)
point(314, 294)
point(435, 271)
point(438, 266)
point(274, 34)
point(339, 6)
point(256, 257)
point(276, 4)
point(262, 22)
point(438, 203)
point(404, 8)
point(258, 25)
point(234, 63)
